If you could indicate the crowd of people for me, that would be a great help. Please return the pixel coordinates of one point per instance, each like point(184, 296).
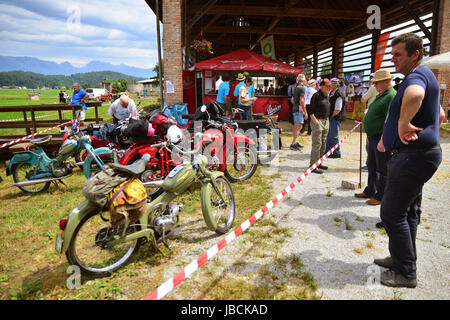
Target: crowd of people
point(403, 152)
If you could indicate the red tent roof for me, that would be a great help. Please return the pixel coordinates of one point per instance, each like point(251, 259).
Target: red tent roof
point(244, 59)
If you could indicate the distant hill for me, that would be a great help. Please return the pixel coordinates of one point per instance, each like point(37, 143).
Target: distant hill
point(36, 80)
point(52, 68)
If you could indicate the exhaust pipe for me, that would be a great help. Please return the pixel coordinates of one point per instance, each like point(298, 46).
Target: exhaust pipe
point(31, 182)
point(156, 183)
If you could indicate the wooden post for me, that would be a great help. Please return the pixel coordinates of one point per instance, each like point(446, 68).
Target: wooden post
point(33, 119)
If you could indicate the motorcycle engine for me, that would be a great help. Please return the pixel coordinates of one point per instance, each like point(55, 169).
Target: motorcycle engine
point(168, 220)
point(63, 170)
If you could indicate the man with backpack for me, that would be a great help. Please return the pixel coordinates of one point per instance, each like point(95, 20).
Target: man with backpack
point(337, 115)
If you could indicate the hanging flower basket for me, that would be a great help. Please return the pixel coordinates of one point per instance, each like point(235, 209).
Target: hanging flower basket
point(202, 46)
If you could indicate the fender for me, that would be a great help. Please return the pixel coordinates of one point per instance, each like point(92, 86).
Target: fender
point(240, 137)
point(89, 159)
point(207, 188)
point(75, 217)
point(137, 150)
point(29, 157)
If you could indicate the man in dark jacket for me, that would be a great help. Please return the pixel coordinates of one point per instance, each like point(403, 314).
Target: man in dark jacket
point(337, 114)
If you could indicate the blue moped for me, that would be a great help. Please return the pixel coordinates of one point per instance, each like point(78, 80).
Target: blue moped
point(33, 171)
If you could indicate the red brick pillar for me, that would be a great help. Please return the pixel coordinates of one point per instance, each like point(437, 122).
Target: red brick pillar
point(443, 45)
point(172, 49)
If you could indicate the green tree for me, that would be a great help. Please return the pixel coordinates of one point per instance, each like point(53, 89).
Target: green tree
point(119, 84)
point(156, 70)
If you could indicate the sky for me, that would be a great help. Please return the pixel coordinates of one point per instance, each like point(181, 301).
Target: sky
point(113, 31)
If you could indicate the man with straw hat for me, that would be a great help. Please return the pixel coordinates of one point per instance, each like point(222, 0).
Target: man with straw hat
point(373, 126)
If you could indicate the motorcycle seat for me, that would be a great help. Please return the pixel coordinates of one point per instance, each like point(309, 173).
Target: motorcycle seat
point(22, 147)
point(135, 169)
point(41, 140)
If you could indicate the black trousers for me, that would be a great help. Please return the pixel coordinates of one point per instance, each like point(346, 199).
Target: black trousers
point(377, 167)
point(407, 173)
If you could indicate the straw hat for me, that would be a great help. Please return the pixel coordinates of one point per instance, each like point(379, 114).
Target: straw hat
point(240, 77)
point(381, 75)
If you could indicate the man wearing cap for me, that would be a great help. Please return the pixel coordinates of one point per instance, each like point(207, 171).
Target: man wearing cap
point(373, 126)
point(411, 135)
point(397, 83)
point(337, 115)
point(299, 108)
point(310, 90)
point(320, 113)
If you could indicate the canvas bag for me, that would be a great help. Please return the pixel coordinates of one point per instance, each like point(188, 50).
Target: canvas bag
point(129, 199)
point(98, 187)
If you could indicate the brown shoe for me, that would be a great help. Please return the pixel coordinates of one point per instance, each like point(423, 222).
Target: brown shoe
point(391, 279)
point(362, 195)
point(373, 202)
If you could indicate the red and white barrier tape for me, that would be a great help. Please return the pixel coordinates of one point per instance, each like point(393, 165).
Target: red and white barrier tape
point(167, 286)
point(32, 135)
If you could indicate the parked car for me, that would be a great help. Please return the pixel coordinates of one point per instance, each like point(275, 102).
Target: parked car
point(96, 93)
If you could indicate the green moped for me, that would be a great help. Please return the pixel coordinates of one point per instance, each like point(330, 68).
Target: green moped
point(89, 241)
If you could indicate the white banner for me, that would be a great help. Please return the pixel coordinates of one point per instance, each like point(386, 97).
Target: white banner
point(268, 47)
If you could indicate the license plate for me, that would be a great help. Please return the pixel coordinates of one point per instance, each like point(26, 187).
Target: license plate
point(59, 244)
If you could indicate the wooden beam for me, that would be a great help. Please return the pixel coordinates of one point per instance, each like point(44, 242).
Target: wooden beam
point(416, 18)
point(282, 12)
point(273, 24)
point(201, 13)
point(281, 31)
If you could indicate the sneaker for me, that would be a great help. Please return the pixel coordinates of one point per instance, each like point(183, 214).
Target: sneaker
point(391, 279)
point(318, 171)
point(293, 147)
point(385, 263)
point(334, 156)
point(298, 145)
point(365, 168)
point(321, 166)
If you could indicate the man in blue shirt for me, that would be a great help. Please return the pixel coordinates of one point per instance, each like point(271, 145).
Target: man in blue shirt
point(411, 136)
point(222, 95)
point(79, 97)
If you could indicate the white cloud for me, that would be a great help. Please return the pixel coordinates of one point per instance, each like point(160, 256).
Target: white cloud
point(111, 31)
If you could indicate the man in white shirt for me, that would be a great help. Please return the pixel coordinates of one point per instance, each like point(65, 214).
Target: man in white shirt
point(310, 90)
point(122, 108)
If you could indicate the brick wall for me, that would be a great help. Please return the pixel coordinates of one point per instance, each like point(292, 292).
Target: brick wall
point(172, 48)
point(443, 45)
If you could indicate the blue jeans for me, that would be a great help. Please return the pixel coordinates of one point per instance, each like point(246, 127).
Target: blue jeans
point(407, 173)
point(333, 136)
point(247, 115)
point(377, 167)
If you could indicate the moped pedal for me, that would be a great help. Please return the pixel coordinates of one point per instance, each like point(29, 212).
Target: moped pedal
point(168, 245)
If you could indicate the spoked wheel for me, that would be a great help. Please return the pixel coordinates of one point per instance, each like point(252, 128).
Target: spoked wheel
point(241, 164)
point(90, 249)
point(223, 210)
point(269, 145)
point(21, 172)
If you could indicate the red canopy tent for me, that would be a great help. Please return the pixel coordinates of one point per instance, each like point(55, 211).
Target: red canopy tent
point(245, 60)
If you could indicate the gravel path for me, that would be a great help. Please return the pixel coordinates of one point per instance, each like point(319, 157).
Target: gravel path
point(335, 235)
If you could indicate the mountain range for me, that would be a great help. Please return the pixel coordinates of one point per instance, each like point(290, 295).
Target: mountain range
point(35, 65)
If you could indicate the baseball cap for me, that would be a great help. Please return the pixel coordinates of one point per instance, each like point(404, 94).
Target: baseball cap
point(325, 82)
point(334, 81)
point(301, 77)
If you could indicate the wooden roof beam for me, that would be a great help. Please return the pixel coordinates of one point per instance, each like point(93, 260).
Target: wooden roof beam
point(282, 12)
point(282, 31)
